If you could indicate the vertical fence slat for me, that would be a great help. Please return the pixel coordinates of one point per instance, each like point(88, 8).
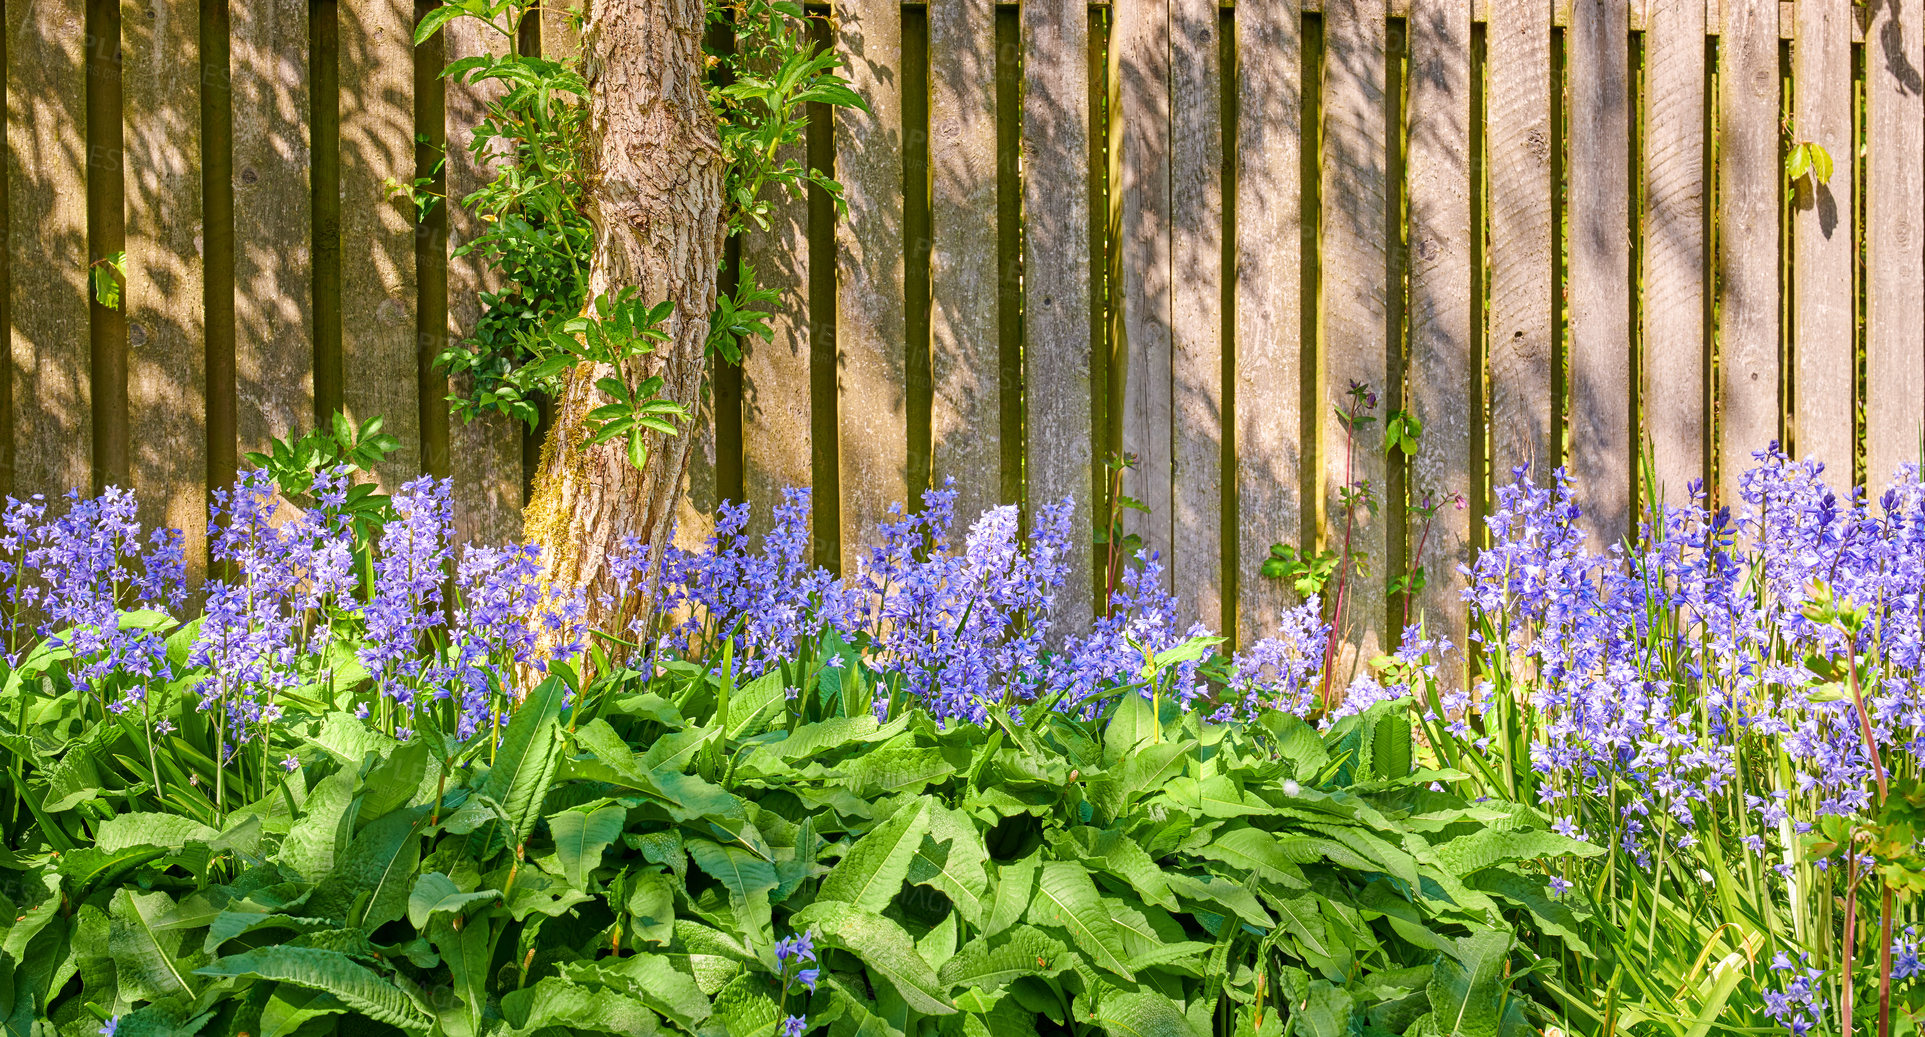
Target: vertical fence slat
point(1822, 300)
point(1602, 453)
point(1269, 303)
point(1354, 295)
point(1196, 304)
point(1521, 140)
point(1140, 49)
point(776, 411)
point(1895, 203)
point(166, 329)
point(1674, 391)
point(273, 255)
point(1443, 377)
point(378, 339)
point(873, 446)
point(484, 456)
point(1056, 155)
point(965, 355)
point(1748, 327)
point(47, 164)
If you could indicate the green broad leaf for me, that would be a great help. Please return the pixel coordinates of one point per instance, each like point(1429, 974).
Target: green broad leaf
point(379, 865)
point(1300, 916)
point(432, 22)
point(991, 964)
point(581, 836)
point(149, 959)
point(87, 868)
point(1015, 886)
point(1220, 892)
point(393, 782)
point(651, 979)
point(171, 831)
point(1066, 898)
point(322, 832)
point(1467, 990)
point(897, 769)
point(872, 872)
point(952, 858)
point(358, 986)
point(1255, 852)
point(568, 1008)
point(230, 924)
point(525, 762)
point(435, 893)
point(651, 905)
point(466, 952)
point(884, 947)
point(1553, 917)
point(289, 1008)
point(1123, 856)
point(1191, 650)
point(1468, 854)
point(751, 704)
point(748, 878)
point(1136, 1014)
point(1132, 723)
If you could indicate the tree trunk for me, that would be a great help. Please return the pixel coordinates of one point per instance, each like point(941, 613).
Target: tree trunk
point(656, 203)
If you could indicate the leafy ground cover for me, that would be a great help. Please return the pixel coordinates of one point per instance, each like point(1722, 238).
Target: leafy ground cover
point(372, 780)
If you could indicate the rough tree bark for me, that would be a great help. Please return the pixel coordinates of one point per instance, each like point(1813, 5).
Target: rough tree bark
point(656, 203)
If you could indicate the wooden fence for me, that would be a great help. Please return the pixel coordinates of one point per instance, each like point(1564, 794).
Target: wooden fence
point(1555, 233)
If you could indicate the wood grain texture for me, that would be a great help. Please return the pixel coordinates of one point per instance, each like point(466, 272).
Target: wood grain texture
point(1443, 375)
point(1269, 305)
point(1520, 138)
point(1196, 306)
point(484, 454)
point(273, 222)
point(1676, 395)
point(965, 349)
point(47, 165)
point(166, 328)
point(1140, 70)
point(1603, 454)
point(377, 227)
point(1056, 157)
point(1895, 205)
point(561, 36)
point(1822, 300)
point(871, 377)
point(1748, 325)
point(1354, 299)
point(776, 408)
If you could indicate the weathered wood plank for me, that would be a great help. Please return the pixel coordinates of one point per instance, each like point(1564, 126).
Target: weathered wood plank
point(1603, 455)
point(1443, 375)
point(47, 247)
point(1675, 396)
point(1140, 68)
point(273, 223)
point(1354, 297)
point(873, 446)
point(561, 37)
point(1895, 204)
point(1822, 299)
point(1196, 307)
point(378, 296)
point(166, 328)
point(1747, 237)
point(776, 408)
point(1056, 156)
point(1269, 329)
point(484, 455)
point(965, 349)
point(1521, 139)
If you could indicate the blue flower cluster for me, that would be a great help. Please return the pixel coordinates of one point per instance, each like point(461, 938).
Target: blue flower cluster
point(297, 603)
point(1654, 669)
point(960, 626)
